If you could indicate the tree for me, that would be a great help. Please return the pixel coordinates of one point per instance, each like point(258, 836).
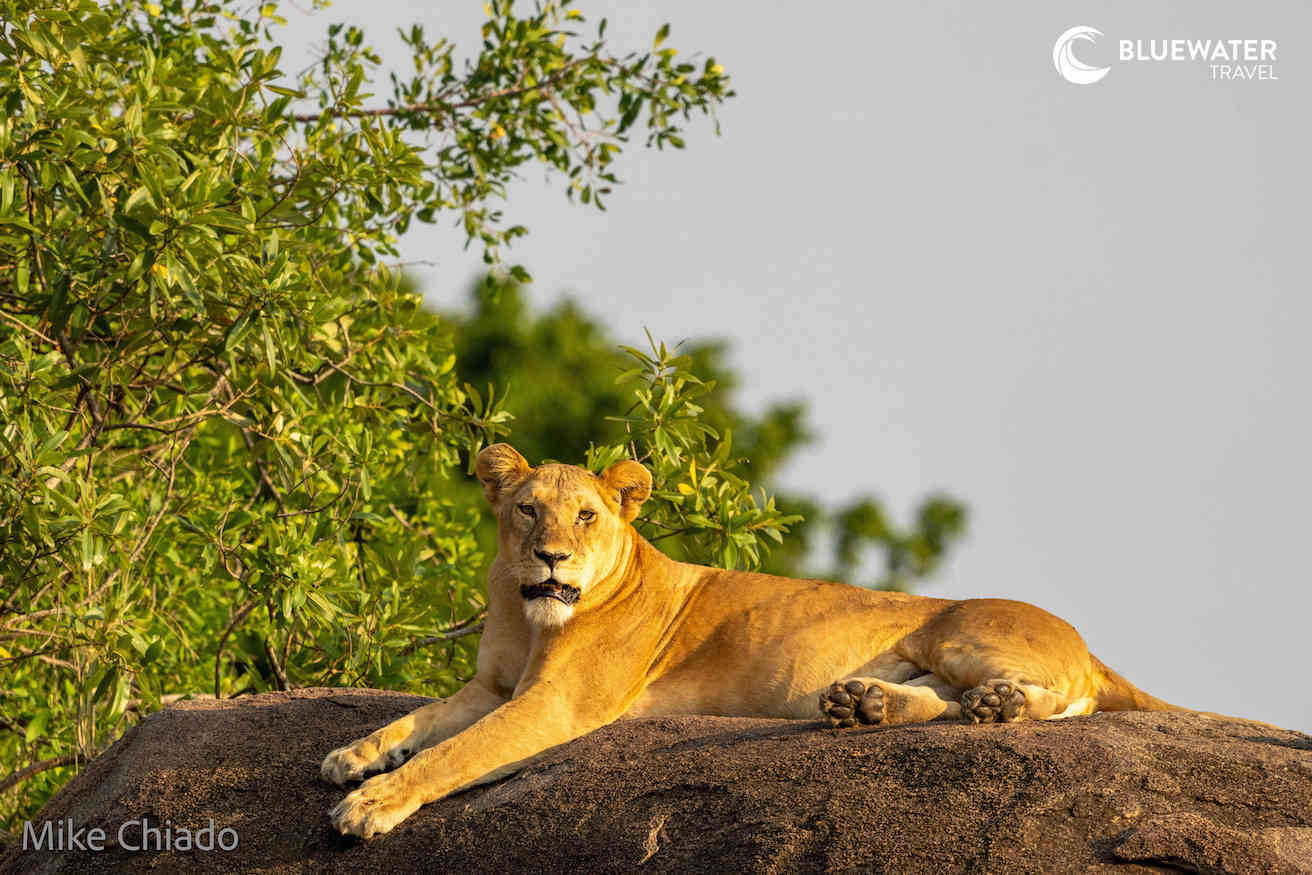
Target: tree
point(234, 447)
point(227, 436)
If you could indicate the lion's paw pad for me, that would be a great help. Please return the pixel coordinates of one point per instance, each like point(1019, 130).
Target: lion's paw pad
point(995, 701)
point(852, 702)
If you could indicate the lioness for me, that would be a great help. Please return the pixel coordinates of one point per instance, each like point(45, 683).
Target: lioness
point(588, 623)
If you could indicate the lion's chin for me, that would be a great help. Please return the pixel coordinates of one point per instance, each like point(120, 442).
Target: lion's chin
point(547, 612)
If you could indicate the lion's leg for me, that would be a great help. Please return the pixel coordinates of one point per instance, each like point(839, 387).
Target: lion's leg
point(891, 667)
point(1012, 660)
point(543, 716)
point(399, 740)
point(870, 701)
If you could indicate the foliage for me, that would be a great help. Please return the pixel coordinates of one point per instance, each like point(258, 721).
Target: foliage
point(697, 495)
point(570, 386)
point(227, 436)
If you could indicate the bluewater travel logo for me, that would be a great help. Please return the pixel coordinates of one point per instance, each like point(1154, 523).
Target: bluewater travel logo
point(1225, 59)
point(1071, 68)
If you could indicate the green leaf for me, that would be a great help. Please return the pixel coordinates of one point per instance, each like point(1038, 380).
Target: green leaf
point(270, 354)
point(140, 197)
point(325, 607)
point(236, 332)
point(153, 652)
point(107, 682)
point(36, 727)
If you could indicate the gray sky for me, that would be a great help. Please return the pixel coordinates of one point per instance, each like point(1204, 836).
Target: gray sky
point(1082, 309)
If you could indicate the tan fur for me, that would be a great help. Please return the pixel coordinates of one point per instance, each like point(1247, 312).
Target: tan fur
point(652, 636)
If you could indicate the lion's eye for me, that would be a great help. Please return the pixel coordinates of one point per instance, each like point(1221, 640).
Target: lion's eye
point(528, 510)
point(585, 516)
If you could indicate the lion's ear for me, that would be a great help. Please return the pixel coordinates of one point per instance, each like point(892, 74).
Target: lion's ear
point(632, 482)
point(500, 467)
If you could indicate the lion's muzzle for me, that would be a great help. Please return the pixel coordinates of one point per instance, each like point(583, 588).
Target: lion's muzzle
point(550, 589)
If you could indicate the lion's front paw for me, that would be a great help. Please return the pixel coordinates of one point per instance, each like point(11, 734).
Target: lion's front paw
point(994, 701)
point(353, 762)
point(374, 807)
point(847, 703)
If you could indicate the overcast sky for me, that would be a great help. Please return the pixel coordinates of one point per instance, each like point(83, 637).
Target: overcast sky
point(1081, 308)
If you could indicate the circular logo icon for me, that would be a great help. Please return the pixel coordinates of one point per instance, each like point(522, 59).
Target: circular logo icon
point(1071, 68)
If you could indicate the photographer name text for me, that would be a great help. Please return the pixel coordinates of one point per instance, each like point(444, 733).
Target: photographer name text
point(132, 835)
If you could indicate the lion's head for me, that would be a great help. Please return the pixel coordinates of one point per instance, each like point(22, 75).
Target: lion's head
point(561, 529)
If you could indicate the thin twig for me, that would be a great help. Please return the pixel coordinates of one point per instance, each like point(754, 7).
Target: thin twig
point(279, 675)
point(669, 535)
point(469, 626)
point(28, 328)
point(223, 639)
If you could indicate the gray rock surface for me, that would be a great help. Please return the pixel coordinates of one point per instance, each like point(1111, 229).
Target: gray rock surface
point(1130, 792)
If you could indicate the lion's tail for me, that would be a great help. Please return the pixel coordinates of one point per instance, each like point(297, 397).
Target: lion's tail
point(1115, 693)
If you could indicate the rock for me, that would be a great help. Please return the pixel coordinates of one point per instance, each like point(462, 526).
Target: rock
point(1138, 791)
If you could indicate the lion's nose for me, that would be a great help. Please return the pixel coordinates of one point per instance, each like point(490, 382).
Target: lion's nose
point(551, 558)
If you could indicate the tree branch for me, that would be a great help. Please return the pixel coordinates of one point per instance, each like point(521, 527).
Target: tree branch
point(223, 639)
point(37, 768)
point(468, 626)
point(443, 108)
point(279, 675)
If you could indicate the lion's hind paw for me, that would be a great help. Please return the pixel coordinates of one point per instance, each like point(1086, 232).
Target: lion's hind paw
point(994, 701)
point(852, 702)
